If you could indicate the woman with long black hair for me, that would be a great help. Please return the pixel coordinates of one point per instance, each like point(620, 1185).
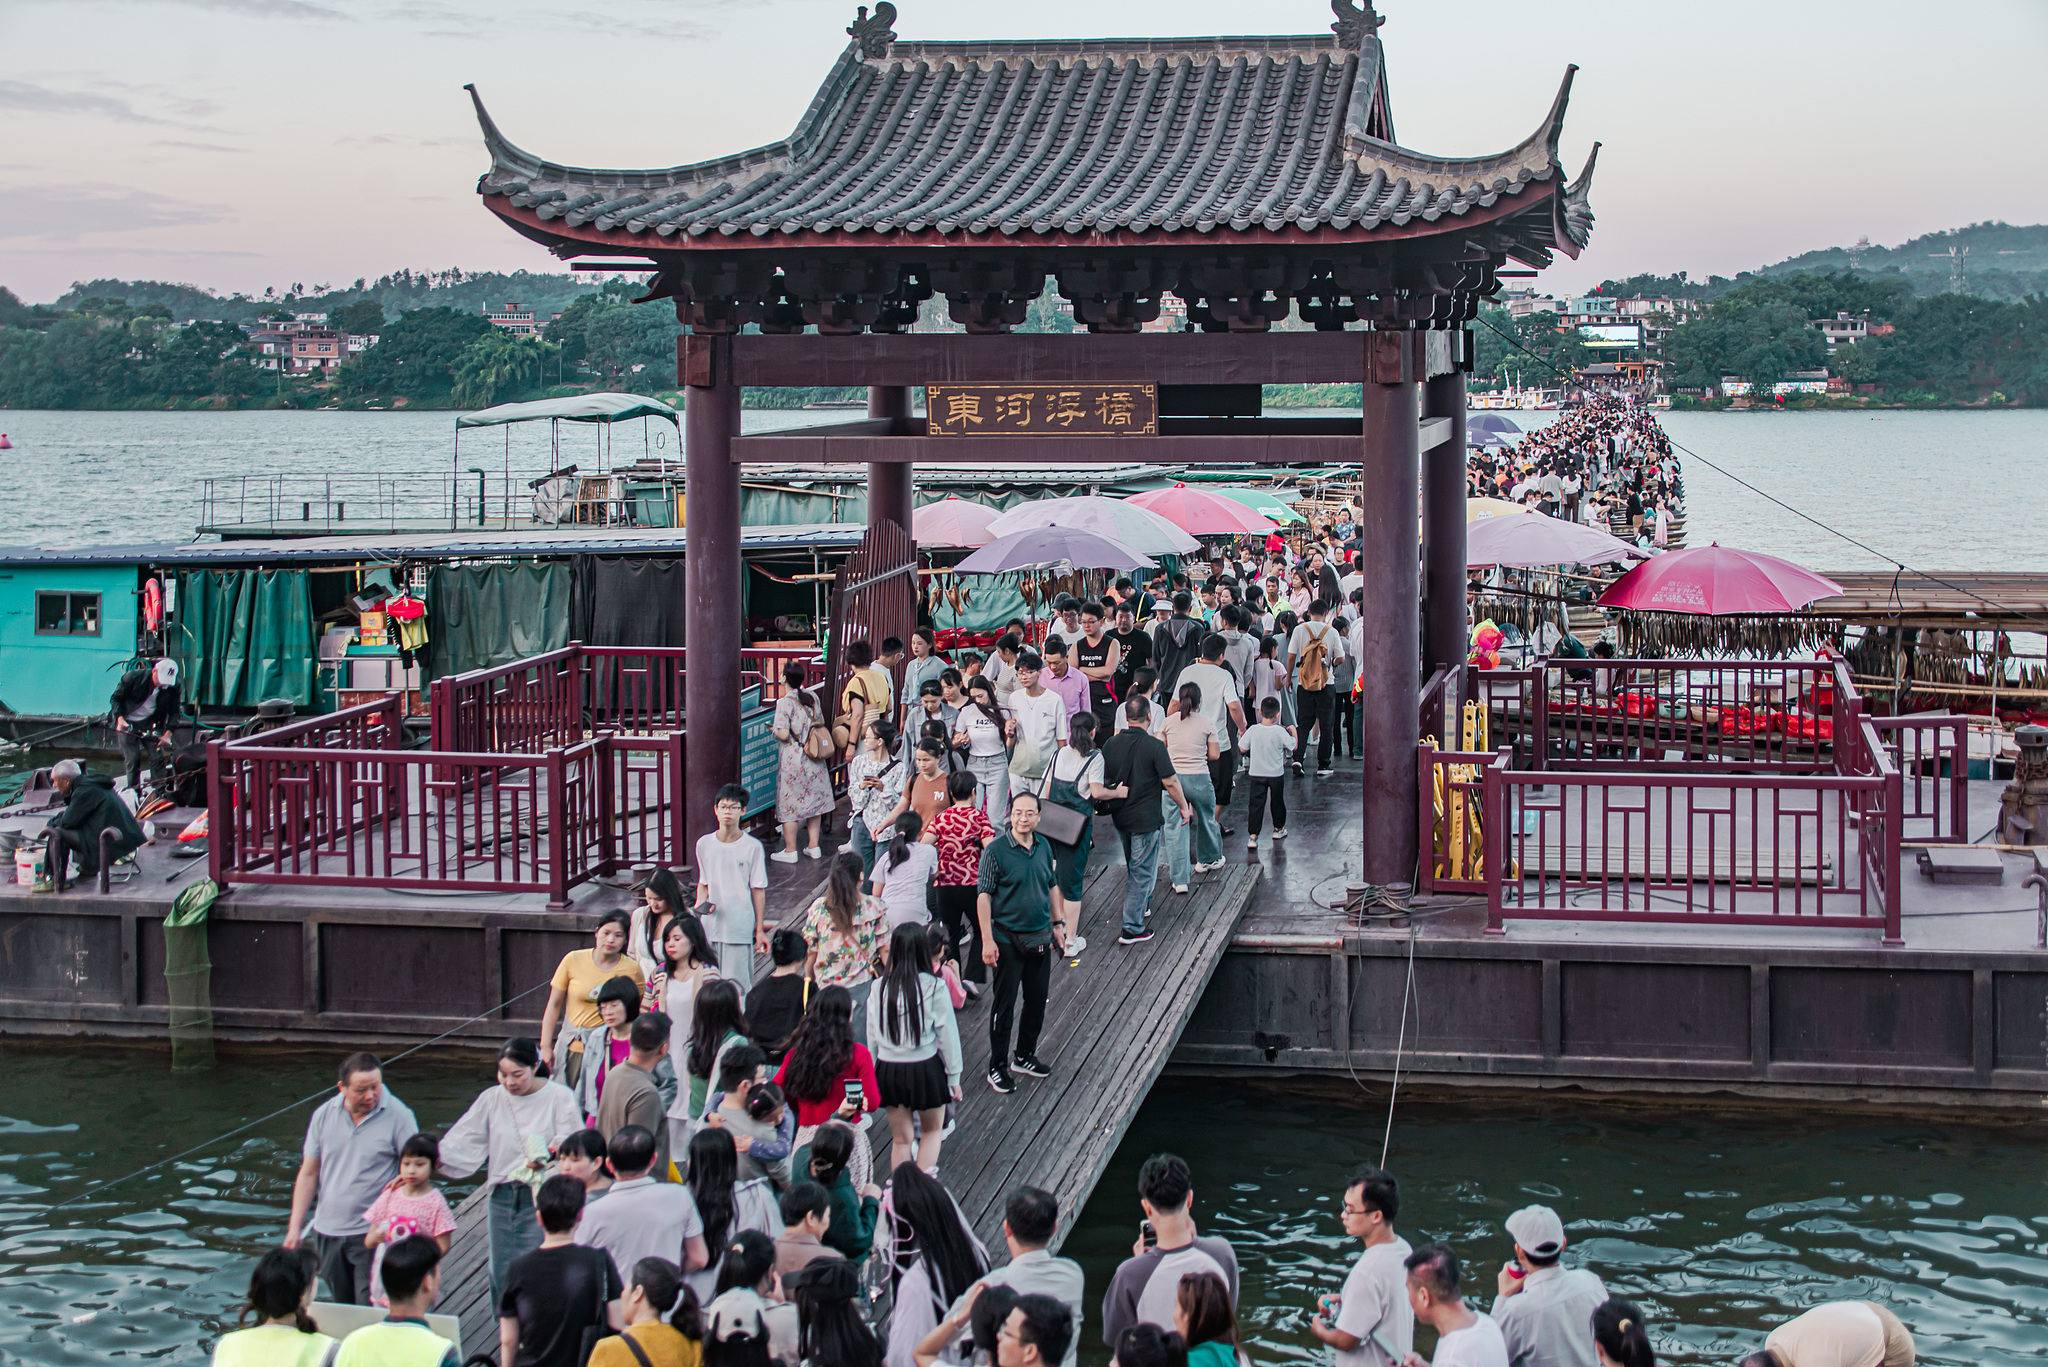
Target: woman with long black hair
point(661, 897)
point(843, 935)
point(724, 1204)
point(934, 1258)
point(831, 1330)
point(746, 1324)
point(916, 1044)
point(687, 962)
point(828, 1074)
point(985, 730)
point(497, 1133)
point(716, 1025)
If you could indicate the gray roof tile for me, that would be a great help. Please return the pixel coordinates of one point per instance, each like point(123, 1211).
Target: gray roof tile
point(1045, 139)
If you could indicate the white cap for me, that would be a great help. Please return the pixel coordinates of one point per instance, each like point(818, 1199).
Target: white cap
point(1537, 1231)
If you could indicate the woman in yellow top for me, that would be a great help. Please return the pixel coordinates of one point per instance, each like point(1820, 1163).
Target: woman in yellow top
point(662, 1320)
point(573, 992)
point(280, 1289)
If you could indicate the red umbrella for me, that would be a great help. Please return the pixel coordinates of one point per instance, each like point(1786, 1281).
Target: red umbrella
point(1201, 513)
point(1715, 581)
point(953, 522)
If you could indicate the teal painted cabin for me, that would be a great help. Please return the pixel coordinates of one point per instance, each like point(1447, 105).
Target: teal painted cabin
point(65, 631)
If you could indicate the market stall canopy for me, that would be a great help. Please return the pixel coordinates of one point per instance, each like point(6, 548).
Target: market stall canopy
point(1269, 506)
point(1114, 519)
point(1202, 513)
point(1717, 581)
point(1478, 509)
point(576, 408)
point(1037, 548)
point(952, 522)
point(1528, 541)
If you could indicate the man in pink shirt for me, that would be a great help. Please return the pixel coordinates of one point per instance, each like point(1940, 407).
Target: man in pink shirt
point(1060, 677)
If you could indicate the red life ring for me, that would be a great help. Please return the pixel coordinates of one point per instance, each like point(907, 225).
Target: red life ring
point(152, 604)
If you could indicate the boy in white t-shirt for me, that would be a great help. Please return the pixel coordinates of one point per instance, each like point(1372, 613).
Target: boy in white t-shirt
point(732, 888)
point(1268, 745)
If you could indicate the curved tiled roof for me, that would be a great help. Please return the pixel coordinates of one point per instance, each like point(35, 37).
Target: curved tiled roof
point(1051, 139)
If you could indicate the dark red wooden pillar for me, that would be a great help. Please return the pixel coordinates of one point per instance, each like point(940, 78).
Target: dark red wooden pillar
point(1443, 519)
point(1393, 613)
point(889, 482)
point(713, 625)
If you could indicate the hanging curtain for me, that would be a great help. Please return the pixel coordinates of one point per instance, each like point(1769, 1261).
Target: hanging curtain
point(246, 635)
point(486, 615)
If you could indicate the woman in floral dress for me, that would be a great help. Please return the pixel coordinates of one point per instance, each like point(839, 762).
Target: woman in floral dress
point(844, 932)
point(803, 786)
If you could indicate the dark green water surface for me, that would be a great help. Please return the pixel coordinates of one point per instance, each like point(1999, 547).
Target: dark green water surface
point(1718, 1223)
point(1721, 1222)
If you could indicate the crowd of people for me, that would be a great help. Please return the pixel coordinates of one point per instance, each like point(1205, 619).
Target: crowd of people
point(747, 1251)
point(1606, 462)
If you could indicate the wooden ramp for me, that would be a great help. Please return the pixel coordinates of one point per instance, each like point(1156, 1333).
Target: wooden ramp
point(1112, 1017)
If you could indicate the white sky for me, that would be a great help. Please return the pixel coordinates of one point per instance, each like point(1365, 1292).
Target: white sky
point(244, 143)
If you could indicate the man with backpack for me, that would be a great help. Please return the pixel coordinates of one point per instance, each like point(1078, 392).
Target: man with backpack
point(1312, 655)
point(1176, 643)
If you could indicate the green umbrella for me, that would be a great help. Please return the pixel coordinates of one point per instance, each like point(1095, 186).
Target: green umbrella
point(1260, 502)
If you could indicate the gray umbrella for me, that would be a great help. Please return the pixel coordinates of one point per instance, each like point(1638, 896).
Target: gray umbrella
point(1491, 422)
point(1040, 547)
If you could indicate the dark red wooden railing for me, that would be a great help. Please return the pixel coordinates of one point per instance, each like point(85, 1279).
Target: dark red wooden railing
point(443, 820)
point(1690, 792)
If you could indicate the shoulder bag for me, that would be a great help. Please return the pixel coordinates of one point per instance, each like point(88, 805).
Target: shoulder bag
point(1056, 820)
point(818, 740)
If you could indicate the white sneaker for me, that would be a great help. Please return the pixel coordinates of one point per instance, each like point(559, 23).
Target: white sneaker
point(1076, 945)
point(1279, 834)
point(814, 853)
point(784, 856)
point(1324, 773)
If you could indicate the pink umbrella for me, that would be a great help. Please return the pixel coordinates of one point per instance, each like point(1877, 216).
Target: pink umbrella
point(1714, 581)
point(1201, 513)
point(953, 522)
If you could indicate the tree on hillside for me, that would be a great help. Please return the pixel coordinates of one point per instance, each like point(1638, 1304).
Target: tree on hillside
point(497, 366)
point(632, 347)
point(415, 357)
point(363, 318)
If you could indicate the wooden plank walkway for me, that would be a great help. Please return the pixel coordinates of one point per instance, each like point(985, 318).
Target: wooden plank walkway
point(1112, 1017)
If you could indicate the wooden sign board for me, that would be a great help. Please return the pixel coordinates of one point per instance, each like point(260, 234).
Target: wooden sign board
point(1008, 410)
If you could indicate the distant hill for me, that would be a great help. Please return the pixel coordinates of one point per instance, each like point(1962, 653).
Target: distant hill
point(465, 291)
point(2004, 262)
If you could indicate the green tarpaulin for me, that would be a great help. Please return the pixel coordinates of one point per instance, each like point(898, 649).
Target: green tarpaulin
point(245, 635)
point(486, 615)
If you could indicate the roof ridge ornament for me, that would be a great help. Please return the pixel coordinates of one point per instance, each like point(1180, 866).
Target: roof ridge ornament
point(1354, 25)
point(873, 36)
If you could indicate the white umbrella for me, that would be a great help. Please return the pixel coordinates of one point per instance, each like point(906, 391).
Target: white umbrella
point(1527, 540)
point(1113, 519)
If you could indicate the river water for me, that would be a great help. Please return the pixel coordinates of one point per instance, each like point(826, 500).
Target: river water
point(1934, 489)
point(1718, 1222)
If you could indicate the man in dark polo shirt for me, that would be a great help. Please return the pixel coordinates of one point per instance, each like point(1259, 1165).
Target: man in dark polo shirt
point(1019, 904)
point(1139, 764)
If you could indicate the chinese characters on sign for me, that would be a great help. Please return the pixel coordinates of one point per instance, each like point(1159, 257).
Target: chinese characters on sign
point(996, 410)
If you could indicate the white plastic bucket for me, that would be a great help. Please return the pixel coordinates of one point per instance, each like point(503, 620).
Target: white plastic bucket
point(25, 859)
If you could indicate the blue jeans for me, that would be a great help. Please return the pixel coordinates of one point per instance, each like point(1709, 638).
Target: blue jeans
point(1141, 861)
point(514, 1228)
point(1207, 838)
point(863, 845)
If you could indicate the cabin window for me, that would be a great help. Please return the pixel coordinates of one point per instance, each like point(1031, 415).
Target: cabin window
point(67, 614)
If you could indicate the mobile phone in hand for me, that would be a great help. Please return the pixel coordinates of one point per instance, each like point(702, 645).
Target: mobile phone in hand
point(1147, 1235)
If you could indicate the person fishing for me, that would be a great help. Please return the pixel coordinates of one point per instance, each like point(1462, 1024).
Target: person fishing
point(144, 707)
